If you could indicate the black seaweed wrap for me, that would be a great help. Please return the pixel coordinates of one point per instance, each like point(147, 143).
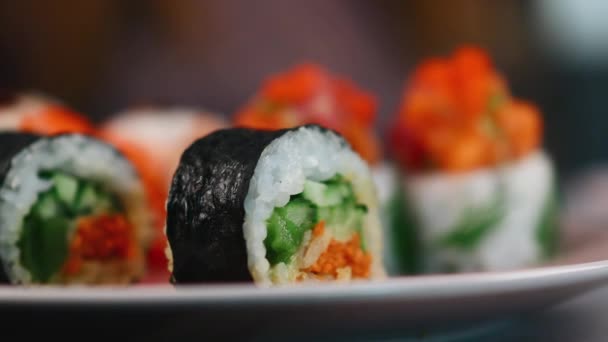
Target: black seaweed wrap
point(10, 145)
point(205, 209)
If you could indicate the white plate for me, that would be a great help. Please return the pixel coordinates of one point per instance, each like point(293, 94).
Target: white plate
point(424, 302)
point(405, 305)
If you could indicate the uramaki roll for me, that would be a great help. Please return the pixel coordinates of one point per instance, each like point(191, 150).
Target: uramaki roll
point(478, 188)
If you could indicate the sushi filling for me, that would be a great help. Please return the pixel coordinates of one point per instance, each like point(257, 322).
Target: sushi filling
point(318, 234)
point(76, 230)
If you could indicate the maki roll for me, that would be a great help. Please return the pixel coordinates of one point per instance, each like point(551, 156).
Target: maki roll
point(478, 191)
point(153, 138)
point(35, 113)
point(273, 207)
point(309, 93)
point(72, 211)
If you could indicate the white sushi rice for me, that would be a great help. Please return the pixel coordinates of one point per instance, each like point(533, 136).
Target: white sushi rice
point(74, 154)
point(306, 153)
point(439, 202)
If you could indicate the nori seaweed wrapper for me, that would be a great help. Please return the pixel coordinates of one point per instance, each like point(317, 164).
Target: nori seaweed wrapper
point(205, 209)
point(11, 144)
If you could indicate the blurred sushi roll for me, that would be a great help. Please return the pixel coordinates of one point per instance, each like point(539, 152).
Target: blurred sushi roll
point(36, 113)
point(309, 94)
point(161, 132)
point(274, 207)
point(72, 211)
point(153, 138)
point(478, 192)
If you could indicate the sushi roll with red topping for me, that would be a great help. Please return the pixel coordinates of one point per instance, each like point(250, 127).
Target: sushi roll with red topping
point(309, 94)
point(478, 190)
point(35, 113)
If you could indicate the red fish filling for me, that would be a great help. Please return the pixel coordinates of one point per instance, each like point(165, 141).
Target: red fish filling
point(99, 238)
point(77, 231)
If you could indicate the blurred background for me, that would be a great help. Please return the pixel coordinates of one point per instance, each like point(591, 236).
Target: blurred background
point(100, 56)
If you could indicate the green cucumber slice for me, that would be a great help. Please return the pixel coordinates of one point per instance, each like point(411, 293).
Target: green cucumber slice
point(286, 227)
point(476, 224)
point(66, 188)
point(323, 195)
point(44, 246)
point(547, 231)
point(332, 201)
point(47, 206)
point(299, 211)
point(86, 199)
point(344, 220)
point(44, 240)
point(404, 242)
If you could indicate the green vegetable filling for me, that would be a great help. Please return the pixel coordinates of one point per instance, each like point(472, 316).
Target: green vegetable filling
point(47, 228)
point(547, 232)
point(476, 224)
point(405, 242)
point(332, 201)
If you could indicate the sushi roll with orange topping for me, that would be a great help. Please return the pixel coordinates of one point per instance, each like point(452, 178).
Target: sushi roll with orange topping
point(309, 94)
point(39, 114)
point(478, 188)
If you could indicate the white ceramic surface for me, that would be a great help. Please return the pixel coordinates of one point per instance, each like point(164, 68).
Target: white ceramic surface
point(411, 298)
point(397, 303)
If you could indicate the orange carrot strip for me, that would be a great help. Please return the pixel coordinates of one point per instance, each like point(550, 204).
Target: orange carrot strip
point(343, 254)
point(319, 229)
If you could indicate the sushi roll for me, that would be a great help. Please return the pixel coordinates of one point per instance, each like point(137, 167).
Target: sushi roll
point(274, 207)
point(72, 211)
point(478, 192)
point(36, 113)
point(308, 93)
point(153, 138)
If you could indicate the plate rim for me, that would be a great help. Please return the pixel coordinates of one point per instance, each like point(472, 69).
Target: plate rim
point(419, 287)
